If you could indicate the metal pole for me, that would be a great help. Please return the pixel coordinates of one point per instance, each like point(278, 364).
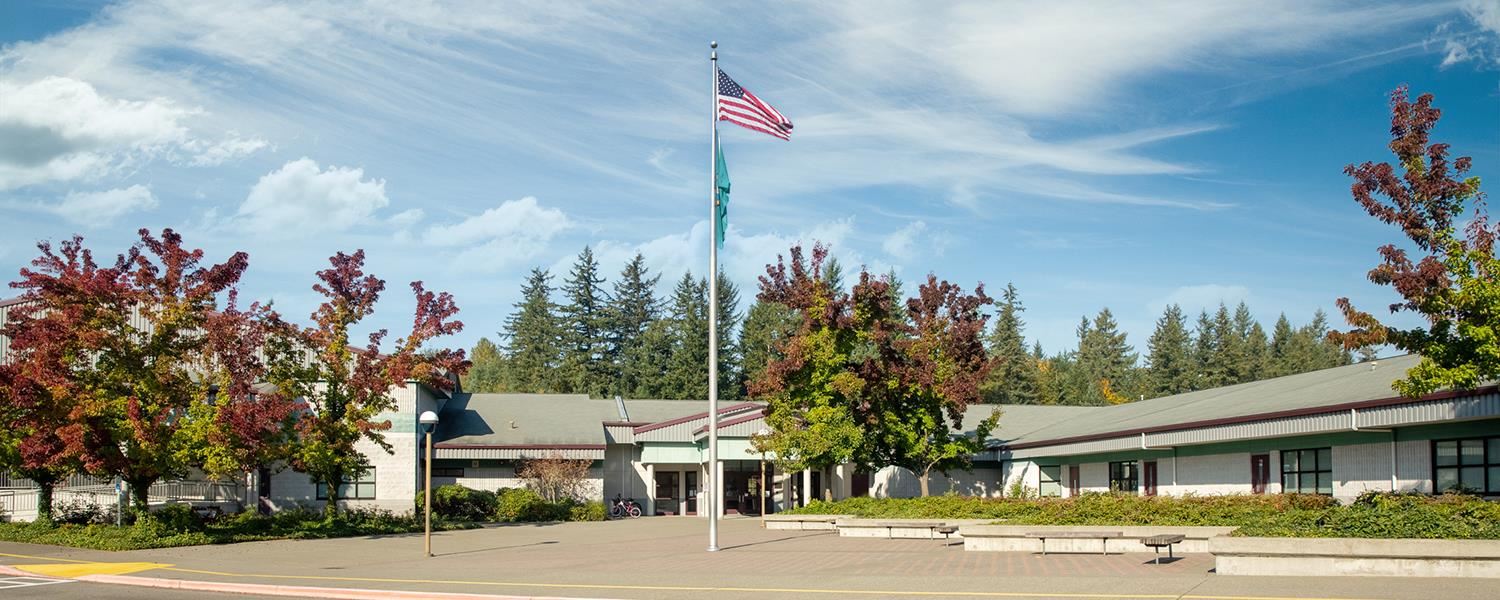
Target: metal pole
point(762, 490)
point(427, 498)
point(713, 305)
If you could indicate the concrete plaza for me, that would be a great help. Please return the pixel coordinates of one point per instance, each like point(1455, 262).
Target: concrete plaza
point(665, 558)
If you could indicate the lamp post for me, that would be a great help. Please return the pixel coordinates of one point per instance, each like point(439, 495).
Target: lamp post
point(762, 434)
point(429, 422)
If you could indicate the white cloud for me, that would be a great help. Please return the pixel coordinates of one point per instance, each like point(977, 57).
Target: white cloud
point(97, 209)
point(301, 198)
point(902, 243)
point(501, 237)
point(1481, 46)
point(211, 154)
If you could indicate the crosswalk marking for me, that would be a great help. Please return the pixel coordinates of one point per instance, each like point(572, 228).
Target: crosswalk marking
point(7, 583)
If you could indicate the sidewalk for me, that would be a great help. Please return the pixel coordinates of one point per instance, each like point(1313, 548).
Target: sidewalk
point(665, 558)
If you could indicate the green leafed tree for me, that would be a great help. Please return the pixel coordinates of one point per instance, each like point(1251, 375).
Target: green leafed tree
point(1453, 282)
point(587, 355)
point(532, 337)
point(1013, 380)
point(731, 377)
point(488, 372)
point(1105, 361)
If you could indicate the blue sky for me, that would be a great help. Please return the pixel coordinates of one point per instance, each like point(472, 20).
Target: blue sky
point(1095, 154)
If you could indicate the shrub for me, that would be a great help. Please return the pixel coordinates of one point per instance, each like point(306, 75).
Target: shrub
point(79, 512)
point(515, 505)
point(1373, 515)
point(589, 511)
point(460, 503)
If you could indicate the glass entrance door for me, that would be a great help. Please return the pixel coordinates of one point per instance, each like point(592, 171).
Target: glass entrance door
point(667, 493)
point(692, 492)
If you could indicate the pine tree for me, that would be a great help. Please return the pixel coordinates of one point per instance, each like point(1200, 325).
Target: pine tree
point(687, 369)
point(833, 273)
point(488, 371)
point(1171, 370)
point(651, 360)
point(731, 378)
point(1240, 356)
point(586, 350)
point(532, 338)
point(1013, 380)
point(768, 325)
point(1105, 360)
point(1257, 354)
point(631, 311)
point(1281, 348)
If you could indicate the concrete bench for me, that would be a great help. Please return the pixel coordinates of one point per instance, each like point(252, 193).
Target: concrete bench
point(1102, 536)
point(903, 528)
point(1014, 538)
point(804, 522)
point(1156, 542)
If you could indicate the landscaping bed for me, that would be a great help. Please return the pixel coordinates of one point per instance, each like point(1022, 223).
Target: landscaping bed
point(178, 526)
point(1373, 515)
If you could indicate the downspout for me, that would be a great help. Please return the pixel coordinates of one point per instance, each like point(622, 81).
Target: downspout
point(1354, 426)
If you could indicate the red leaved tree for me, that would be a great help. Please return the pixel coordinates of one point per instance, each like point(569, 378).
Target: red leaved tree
point(151, 375)
point(348, 388)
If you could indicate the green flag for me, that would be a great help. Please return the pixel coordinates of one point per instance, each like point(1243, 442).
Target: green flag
point(721, 193)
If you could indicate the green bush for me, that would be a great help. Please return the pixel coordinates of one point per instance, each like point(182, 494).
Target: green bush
point(460, 503)
point(1374, 515)
point(590, 511)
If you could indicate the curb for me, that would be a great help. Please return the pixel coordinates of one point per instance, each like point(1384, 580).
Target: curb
point(298, 591)
point(10, 571)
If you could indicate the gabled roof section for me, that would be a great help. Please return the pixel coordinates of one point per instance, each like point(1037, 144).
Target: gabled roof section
point(511, 420)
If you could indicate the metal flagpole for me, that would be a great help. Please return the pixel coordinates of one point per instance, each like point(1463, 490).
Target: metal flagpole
point(714, 495)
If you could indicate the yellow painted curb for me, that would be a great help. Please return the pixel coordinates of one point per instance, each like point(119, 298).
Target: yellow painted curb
point(71, 570)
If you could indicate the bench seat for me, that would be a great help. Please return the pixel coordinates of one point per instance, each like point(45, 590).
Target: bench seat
point(1014, 538)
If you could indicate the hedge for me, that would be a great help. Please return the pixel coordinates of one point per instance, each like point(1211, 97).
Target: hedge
point(1373, 515)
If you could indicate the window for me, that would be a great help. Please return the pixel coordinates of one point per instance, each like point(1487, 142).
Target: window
point(1050, 482)
point(361, 488)
point(1123, 477)
point(1307, 471)
point(447, 471)
point(1471, 465)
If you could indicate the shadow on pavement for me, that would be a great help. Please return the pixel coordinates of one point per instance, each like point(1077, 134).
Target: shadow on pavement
point(478, 550)
point(782, 539)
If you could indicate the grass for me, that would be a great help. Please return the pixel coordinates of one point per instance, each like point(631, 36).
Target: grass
point(1373, 515)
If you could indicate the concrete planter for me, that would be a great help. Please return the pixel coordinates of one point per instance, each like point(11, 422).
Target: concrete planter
point(1012, 538)
point(900, 528)
point(1350, 556)
point(803, 522)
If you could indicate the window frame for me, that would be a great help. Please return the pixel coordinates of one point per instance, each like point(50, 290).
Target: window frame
point(1300, 471)
point(455, 472)
point(354, 489)
point(1049, 488)
point(1134, 479)
point(1488, 462)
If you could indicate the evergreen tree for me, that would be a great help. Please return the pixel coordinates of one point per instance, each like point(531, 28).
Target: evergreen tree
point(1257, 354)
point(587, 361)
point(532, 338)
point(1013, 380)
point(631, 311)
point(1280, 358)
point(650, 360)
point(488, 371)
point(833, 274)
point(731, 378)
point(1171, 370)
point(1105, 360)
point(1048, 379)
point(768, 325)
point(687, 369)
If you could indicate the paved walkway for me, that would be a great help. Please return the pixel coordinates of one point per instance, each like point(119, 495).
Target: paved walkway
point(665, 558)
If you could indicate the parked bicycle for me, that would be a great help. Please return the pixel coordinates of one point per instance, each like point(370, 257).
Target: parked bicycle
point(620, 508)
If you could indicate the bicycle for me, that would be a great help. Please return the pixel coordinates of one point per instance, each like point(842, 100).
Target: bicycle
point(621, 508)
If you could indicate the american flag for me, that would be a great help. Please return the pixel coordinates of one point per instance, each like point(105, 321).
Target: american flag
point(737, 105)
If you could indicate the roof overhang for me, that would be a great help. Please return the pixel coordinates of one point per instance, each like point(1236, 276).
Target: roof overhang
point(519, 451)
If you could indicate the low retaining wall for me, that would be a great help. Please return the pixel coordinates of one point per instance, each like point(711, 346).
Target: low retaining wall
point(1349, 556)
point(901, 528)
point(804, 522)
point(1012, 538)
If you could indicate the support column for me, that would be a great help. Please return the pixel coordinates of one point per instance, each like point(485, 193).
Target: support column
point(651, 489)
point(807, 492)
point(719, 488)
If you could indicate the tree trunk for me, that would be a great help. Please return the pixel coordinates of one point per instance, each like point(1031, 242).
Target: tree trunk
point(44, 499)
point(140, 494)
point(331, 509)
point(922, 480)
